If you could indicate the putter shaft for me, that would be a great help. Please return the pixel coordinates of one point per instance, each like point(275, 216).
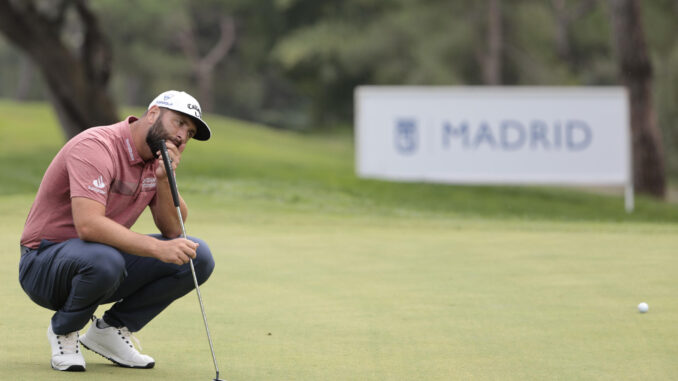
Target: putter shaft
point(175, 197)
point(197, 289)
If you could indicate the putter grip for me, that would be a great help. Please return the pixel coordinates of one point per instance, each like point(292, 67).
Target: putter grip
point(170, 173)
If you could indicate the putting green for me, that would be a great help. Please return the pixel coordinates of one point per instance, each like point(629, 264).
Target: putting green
point(317, 296)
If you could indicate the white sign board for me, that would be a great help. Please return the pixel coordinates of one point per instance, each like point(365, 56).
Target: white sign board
point(494, 135)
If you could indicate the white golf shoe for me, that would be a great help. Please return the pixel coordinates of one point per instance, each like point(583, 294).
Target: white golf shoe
point(116, 345)
point(66, 354)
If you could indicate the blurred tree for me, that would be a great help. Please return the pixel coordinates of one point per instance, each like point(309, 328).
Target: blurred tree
point(144, 37)
point(246, 83)
point(636, 74)
point(659, 18)
point(64, 40)
point(565, 17)
point(491, 60)
point(203, 66)
point(25, 79)
point(333, 46)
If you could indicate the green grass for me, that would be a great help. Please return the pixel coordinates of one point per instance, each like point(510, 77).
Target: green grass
point(311, 172)
point(322, 276)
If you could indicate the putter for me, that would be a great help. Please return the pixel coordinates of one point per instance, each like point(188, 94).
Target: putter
point(175, 196)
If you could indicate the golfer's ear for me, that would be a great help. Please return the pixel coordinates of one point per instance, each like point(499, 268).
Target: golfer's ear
point(153, 113)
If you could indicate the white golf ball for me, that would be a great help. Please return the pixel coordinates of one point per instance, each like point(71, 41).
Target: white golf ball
point(643, 307)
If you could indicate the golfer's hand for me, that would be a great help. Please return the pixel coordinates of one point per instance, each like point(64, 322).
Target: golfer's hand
point(174, 153)
point(177, 251)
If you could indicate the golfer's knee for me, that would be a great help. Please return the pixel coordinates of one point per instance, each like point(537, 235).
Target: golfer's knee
point(203, 262)
point(106, 265)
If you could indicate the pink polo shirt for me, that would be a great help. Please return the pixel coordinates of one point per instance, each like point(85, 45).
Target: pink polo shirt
point(100, 164)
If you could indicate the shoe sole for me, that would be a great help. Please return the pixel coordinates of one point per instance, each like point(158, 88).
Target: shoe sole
point(70, 368)
point(147, 366)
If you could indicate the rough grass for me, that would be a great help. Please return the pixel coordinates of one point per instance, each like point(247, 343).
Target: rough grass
point(322, 276)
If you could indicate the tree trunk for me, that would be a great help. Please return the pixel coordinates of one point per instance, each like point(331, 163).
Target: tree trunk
point(492, 63)
point(25, 80)
point(203, 67)
point(77, 79)
point(562, 31)
point(636, 74)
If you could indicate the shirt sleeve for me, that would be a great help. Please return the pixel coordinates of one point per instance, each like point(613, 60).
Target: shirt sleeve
point(90, 169)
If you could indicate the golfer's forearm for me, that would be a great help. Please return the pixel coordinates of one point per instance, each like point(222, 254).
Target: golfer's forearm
point(102, 229)
point(165, 213)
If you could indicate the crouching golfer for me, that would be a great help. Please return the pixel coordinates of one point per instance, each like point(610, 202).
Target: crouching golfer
point(77, 251)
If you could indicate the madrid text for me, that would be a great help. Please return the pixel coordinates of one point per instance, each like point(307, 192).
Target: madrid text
point(514, 135)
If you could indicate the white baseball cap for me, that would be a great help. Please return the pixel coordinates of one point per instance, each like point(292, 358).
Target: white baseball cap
point(185, 104)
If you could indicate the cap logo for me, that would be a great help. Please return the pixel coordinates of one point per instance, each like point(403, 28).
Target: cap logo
point(195, 108)
point(168, 96)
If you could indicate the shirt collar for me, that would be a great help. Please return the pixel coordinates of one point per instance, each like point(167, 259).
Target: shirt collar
point(127, 142)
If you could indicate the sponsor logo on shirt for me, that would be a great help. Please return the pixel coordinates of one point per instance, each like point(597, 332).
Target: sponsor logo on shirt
point(129, 150)
point(98, 185)
point(99, 182)
point(148, 183)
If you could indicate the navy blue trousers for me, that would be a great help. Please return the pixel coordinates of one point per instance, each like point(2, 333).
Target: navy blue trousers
point(74, 277)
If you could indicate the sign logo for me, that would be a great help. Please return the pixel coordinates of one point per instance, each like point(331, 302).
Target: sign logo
point(406, 136)
point(99, 182)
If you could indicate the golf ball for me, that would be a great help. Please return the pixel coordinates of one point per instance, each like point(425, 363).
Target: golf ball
point(643, 307)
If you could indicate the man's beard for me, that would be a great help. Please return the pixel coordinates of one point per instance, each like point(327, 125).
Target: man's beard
point(155, 136)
